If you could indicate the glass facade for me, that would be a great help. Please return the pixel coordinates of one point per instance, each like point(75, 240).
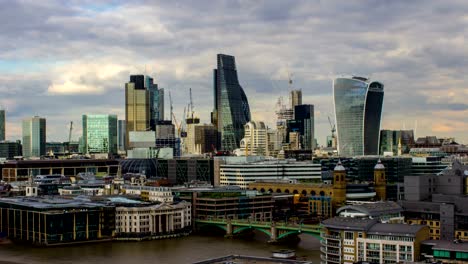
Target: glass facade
point(2, 125)
point(34, 137)
point(358, 108)
point(100, 133)
point(137, 105)
point(231, 109)
point(121, 135)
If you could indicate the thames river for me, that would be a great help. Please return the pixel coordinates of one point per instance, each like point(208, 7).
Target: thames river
point(170, 251)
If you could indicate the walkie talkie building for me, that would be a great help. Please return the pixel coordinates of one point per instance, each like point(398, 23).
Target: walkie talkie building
point(358, 109)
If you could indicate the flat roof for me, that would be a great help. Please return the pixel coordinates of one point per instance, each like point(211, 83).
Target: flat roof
point(395, 229)
point(447, 245)
point(349, 223)
point(240, 259)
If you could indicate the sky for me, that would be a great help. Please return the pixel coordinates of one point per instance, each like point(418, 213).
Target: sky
point(62, 59)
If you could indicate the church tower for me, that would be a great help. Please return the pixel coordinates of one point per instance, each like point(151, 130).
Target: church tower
point(380, 181)
point(339, 185)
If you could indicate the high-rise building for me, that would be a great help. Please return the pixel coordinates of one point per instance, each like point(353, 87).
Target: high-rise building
point(295, 98)
point(10, 149)
point(121, 135)
point(34, 137)
point(100, 134)
point(358, 108)
point(156, 101)
point(2, 124)
point(137, 105)
point(161, 104)
point(255, 139)
point(396, 142)
point(231, 107)
point(304, 124)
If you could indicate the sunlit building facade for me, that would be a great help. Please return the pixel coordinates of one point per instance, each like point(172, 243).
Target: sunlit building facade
point(137, 105)
point(100, 133)
point(358, 108)
point(231, 107)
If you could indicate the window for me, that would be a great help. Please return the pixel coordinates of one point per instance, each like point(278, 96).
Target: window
point(349, 235)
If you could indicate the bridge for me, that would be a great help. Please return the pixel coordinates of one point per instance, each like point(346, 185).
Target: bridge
point(276, 231)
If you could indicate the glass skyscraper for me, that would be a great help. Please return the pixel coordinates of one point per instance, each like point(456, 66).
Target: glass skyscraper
point(121, 135)
point(100, 134)
point(358, 109)
point(304, 124)
point(137, 105)
point(231, 107)
point(34, 137)
point(2, 125)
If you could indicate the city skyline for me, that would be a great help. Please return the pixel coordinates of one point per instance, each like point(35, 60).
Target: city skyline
point(420, 59)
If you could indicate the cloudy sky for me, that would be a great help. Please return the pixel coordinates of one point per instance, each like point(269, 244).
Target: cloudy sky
point(62, 59)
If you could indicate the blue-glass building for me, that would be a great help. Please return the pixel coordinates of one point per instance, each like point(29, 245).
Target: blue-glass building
point(358, 109)
point(303, 123)
point(100, 134)
point(231, 107)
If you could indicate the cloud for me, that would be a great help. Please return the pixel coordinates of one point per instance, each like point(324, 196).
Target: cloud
point(74, 57)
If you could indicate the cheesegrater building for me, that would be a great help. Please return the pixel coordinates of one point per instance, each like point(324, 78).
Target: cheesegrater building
point(358, 108)
point(231, 107)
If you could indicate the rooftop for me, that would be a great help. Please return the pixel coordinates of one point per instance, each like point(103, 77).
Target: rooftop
point(349, 223)
point(373, 209)
point(395, 229)
point(239, 259)
point(447, 245)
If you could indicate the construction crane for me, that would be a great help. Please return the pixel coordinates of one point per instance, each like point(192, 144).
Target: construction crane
point(170, 102)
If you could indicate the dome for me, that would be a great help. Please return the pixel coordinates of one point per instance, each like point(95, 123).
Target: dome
point(143, 166)
point(379, 166)
point(339, 167)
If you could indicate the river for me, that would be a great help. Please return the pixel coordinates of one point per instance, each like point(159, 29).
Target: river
point(169, 251)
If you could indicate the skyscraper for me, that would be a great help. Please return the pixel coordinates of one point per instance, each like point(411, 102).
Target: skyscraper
point(137, 105)
point(295, 98)
point(156, 102)
point(304, 114)
point(34, 137)
point(231, 107)
point(358, 108)
point(2, 124)
point(121, 135)
point(100, 134)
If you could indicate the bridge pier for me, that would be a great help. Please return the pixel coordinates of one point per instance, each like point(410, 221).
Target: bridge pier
point(229, 230)
point(274, 234)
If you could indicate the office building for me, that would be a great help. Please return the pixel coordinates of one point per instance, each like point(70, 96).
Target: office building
point(2, 125)
point(350, 240)
point(255, 139)
point(303, 123)
point(295, 98)
point(142, 139)
point(34, 137)
point(20, 170)
point(152, 221)
point(427, 165)
point(24, 219)
point(201, 138)
point(358, 108)
point(231, 107)
point(396, 142)
point(231, 204)
point(165, 129)
point(240, 171)
point(439, 201)
point(156, 101)
point(100, 133)
point(121, 135)
point(137, 105)
point(10, 149)
point(177, 171)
